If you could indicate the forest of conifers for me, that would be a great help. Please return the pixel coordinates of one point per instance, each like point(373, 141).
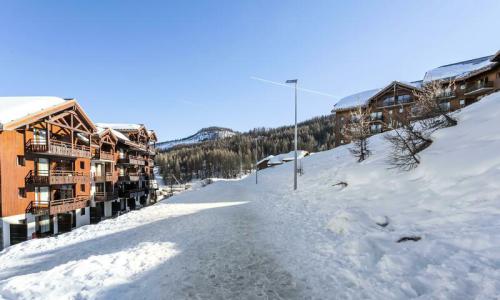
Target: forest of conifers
point(232, 156)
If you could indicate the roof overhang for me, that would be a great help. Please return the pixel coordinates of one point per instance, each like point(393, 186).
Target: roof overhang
point(13, 125)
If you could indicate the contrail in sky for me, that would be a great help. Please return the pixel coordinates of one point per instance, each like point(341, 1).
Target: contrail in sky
point(289, 86)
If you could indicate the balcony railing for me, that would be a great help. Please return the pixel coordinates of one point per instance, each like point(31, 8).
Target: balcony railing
point(56, 177)
point(108, 176)
point(132, 193)
point(58, 206)
point(129, 177)
point(58, 148)
point(132, 160)
point(104, 155)
point(446, 95)
point(105, 196)
point(478, 87)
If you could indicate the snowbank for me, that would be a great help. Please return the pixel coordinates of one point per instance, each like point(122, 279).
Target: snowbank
point(429, 233)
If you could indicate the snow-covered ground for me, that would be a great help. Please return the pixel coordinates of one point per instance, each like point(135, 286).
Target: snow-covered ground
point(239, 240)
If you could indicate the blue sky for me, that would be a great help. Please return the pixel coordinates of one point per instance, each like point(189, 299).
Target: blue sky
point(178, 66)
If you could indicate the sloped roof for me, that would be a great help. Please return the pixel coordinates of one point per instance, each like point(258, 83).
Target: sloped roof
point(19, 111)
point(363, 98)
point(282, 158)
point(496, 57)
point(14, 108)
point(459, 70)
point(355, 100)
point(121, 126)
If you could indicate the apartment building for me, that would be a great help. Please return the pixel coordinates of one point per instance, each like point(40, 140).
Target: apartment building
point(134, 164)
point(386, 105)
point(473, 79)
point(44, 167)
point(58, 170)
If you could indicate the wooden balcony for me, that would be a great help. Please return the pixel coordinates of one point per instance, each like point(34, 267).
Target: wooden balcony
point(150, 162)
point(54, 177)
point(129, 177)
point(58, 148)
point(479, 87)
point(105, 196)
point(108, 176)
point(132, 160)
point(446, 95)
point(104, 155)
point(58, 206)
point(131, 193)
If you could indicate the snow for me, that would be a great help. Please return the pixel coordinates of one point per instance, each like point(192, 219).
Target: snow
point(282, 158)
point(355, 100)
point(13, 108)
point(238, 240)
point(208, 134)
point(119, 135)
point(267, 158)
point(458, 70)
point(120, 126)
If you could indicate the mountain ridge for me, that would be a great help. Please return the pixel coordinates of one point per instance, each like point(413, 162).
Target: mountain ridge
point(211, 133)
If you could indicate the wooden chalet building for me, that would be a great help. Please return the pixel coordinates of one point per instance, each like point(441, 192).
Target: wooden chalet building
point(59, 171)
point(44, 167)
point(386, 105)
point(104, 176)
point(135, 154)
point(473, 79)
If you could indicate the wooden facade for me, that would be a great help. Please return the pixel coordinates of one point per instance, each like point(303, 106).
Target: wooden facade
point(55, 166)
point(390, 102)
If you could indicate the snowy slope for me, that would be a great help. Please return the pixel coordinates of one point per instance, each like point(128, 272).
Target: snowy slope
point(239, 240)
point(205, 134)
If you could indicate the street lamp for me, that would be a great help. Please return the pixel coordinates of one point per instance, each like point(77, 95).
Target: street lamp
point(294, 81)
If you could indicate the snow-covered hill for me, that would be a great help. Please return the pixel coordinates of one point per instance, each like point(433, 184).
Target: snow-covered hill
point(241, 240)
point(205, 134)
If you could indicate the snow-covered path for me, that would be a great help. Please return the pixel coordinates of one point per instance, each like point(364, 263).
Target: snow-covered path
point(239, 240)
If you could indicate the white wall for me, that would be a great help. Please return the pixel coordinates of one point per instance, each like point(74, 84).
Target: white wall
point(108, 209)
point(30, 221)
point(82, 220)
point(5, 227)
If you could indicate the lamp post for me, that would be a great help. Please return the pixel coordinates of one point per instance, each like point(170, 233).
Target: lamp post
point(294, 81)
point(256, 161)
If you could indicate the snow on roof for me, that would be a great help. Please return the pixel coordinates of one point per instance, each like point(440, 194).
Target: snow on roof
point(358, 99)
point(120, 135)
point(418, 84)
point(458, 70)
point(282, 158)
point(120, 126)
point(265, 159)
point(13, 108)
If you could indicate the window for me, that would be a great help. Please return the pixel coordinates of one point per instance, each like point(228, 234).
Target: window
point(82, 187)
point(82, 165)
point(462, 102)
point(21, 161)
point(404, 98)
point(22, 193)
point(498, 75)
point(445, 105)
point(82, 211)
point(376, 116)
point(376, 128)
point(388, 101)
